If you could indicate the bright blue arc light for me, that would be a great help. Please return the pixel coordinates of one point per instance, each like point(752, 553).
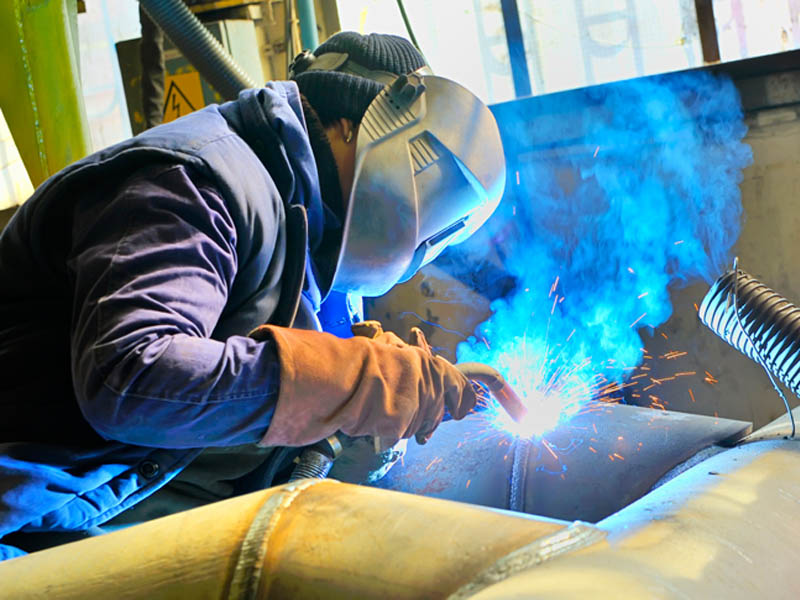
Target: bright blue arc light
point(631, 188)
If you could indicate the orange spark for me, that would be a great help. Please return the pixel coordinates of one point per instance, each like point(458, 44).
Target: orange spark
point(468, 482)
point(664, 335)
point(691, 394)
point(637, 320)
point(592, 449)
point(433, 462)
point(618, 456)
point(549, 449)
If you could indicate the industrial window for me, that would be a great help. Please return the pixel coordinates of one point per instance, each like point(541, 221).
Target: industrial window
point(567, 44)
point(464, 40)
point(747, 28)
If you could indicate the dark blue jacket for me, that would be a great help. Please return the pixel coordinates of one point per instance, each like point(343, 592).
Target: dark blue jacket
point(128, 284)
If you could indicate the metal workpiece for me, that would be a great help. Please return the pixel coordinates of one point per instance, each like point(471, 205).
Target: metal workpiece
point(310, 539)
point(570, 539)
point(727, 528)
point(587, 468)
point(777, 429)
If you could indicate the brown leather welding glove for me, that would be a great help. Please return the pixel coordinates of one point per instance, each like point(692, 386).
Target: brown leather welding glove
point(359, 386)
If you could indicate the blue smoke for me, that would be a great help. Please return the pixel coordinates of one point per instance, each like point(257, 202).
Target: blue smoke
point(618, 192)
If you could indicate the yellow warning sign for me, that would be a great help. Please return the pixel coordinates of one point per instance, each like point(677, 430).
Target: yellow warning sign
point(184, 94)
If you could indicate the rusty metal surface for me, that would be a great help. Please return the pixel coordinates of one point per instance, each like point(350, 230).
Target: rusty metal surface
point(602, 460)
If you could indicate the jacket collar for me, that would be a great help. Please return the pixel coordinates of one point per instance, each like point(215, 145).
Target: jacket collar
point(271, 121)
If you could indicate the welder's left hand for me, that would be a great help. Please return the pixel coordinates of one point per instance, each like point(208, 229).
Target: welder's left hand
point(379, 387)
point(374, 330)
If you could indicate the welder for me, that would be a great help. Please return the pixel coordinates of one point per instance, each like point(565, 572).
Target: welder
point(130, 387)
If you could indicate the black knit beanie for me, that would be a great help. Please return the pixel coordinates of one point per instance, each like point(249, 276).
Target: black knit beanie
point(336, 95)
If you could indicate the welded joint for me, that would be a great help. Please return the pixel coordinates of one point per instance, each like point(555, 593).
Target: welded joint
point(249, 566)
point(570, 539)
point(519, 474)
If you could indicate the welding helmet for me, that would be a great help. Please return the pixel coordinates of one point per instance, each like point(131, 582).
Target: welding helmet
point(429, 171)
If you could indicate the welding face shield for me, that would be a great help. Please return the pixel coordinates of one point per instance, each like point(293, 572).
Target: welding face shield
point(429, 171)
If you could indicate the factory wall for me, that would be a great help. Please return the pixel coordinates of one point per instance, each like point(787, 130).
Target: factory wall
point(725, 382)
point(768, 249)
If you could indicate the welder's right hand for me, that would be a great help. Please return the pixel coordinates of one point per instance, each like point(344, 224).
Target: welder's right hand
point(360, 386)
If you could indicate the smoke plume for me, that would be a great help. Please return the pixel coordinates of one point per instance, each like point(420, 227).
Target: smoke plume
point(618, 192)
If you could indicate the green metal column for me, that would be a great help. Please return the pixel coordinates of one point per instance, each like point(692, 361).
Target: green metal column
point(40, 93)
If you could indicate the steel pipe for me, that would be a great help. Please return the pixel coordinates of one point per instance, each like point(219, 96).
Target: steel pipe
point(310, 539)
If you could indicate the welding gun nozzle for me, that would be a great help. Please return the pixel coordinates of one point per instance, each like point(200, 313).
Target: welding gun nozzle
point(498, 386)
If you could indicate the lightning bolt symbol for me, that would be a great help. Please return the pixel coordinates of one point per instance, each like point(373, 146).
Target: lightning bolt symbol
point(176, 105)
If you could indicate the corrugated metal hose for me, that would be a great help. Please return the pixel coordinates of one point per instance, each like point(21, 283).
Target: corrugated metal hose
point(758, 322)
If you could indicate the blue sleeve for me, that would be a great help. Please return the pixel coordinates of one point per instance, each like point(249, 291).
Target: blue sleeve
point(152, 271)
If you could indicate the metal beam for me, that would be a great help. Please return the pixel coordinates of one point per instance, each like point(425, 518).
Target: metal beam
point(516, 48)
point(41, 91)
point(707, 26)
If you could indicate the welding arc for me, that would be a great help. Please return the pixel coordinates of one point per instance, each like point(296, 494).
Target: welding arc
point(758, 322)
point(498, 386)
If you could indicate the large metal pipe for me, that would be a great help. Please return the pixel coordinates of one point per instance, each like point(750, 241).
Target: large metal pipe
point(310, 539)
point(723, 529)
point(201, 48)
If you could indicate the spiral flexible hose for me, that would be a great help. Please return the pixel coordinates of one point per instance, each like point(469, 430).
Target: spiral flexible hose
point(312, 464)
point(767, 328)
point(201, 48)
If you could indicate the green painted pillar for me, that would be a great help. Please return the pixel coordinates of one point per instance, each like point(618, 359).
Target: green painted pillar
point(40, 93)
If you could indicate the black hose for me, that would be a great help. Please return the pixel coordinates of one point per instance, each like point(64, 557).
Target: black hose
point(312, 464)
point(199, 47)
point(758, 322)
point(407, 23)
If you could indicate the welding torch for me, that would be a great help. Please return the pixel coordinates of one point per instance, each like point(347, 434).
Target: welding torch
point(316, 460)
